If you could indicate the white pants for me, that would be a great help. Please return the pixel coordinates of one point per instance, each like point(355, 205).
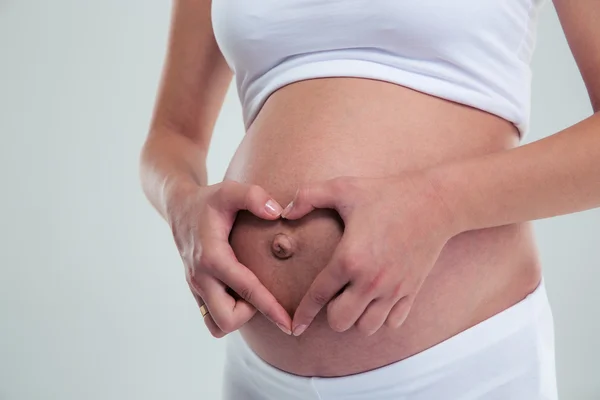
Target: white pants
point(509, 356)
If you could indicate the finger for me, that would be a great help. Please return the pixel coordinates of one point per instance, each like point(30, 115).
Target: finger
point(326, 194)
point(375, 315)
point(240, 305)
point(325, 286)
point(235, 196)
point(227, 313)
point(210, 323)
point(346, 308)
point(399, 312)
point(241, 280)
point(212, 326)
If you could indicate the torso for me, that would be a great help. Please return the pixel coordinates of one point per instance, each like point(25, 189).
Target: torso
point(323, 128)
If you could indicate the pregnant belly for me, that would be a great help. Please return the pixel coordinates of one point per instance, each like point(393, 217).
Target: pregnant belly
point(320, 129)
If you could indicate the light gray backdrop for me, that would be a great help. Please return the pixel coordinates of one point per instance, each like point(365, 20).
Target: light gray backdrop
point(93, 301)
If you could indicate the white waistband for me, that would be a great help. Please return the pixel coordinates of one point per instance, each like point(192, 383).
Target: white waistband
point(524, 330)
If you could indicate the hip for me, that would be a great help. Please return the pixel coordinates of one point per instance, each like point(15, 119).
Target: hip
point(507, 356)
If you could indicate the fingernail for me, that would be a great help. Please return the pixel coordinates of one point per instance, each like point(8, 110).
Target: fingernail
point(299, 330)
point(284, 329)
point(273, 208)
point(287, 209)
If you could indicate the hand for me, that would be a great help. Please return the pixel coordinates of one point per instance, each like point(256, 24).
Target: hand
point(395, 229)
point(201, 222)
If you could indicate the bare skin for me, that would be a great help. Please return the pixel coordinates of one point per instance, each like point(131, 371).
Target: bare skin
point(319, 129)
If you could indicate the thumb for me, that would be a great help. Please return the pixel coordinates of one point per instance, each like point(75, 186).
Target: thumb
point(235, 196)
point(325, 194)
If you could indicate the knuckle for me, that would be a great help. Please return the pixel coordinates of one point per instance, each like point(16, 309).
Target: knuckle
point(374, 283)
point(354, 257)
point(224, 321)
point(227, 326)
point(246, 293)
point(319, 298)
point(350, 266)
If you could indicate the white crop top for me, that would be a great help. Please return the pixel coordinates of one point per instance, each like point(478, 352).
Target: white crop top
point(473, 52)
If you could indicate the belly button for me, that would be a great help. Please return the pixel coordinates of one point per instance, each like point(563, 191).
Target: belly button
point(282, 246)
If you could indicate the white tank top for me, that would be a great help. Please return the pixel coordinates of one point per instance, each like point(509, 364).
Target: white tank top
point(474, 52)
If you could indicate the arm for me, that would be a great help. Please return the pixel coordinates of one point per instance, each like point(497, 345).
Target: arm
point(557, 175)
point(173, 176)
point(193, 86)
point(396, 227)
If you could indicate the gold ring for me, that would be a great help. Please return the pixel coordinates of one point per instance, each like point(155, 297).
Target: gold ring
point(203, 310)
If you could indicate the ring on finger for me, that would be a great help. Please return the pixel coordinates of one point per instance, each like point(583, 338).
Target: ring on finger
point(203, 310)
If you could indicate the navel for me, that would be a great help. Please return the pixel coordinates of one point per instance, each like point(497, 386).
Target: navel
point(282, 246)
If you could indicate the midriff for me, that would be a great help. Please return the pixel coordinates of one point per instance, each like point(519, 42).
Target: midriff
point(324, 128)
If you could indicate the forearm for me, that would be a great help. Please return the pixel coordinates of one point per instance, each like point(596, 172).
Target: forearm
point(554, 176)
point(171, 165)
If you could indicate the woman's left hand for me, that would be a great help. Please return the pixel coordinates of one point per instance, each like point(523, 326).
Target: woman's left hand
point(395, 229)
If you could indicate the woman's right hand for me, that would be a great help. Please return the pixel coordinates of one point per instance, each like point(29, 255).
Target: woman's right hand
point(201, 220)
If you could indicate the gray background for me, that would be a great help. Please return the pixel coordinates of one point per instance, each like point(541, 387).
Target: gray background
point(93, 301)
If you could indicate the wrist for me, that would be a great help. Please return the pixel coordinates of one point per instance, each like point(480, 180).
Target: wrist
point(450, 191)
point(177, 195)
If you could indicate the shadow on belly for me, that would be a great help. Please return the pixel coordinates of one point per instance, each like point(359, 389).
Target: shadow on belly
point(286, 256)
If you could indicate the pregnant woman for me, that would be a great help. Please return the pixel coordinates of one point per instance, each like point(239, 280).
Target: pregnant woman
point(372, 237)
